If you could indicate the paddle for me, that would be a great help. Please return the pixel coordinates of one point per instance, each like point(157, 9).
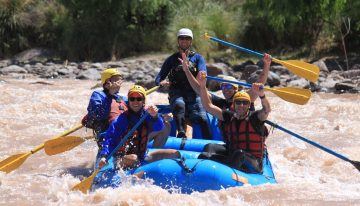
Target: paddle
point(149, 91)
point(300, 68)
point(289, 94)
point(14, 161)
point(356, 164)
point(85, 185)
point(63, 144)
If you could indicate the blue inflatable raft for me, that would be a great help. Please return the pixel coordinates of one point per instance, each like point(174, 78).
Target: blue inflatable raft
point(188, 174)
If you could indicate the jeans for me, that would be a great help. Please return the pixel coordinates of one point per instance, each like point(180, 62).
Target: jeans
point(189, 106)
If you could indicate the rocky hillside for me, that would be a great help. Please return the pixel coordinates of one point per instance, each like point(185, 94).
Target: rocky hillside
point(142, 70)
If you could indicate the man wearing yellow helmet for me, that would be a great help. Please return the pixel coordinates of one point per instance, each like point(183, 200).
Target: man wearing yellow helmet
point(244, 130)
point(134, 151)
point(104, 106)
point(181, 68)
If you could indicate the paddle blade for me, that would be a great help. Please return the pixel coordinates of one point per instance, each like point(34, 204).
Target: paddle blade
point(292, 94)
point(300, 68)
point(356, 164)
point(10, 159)
point(15, 162)
point(85, 185)
point(62, 144)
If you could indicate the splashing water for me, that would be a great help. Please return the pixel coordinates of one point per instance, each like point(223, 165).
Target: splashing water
point(33, 113)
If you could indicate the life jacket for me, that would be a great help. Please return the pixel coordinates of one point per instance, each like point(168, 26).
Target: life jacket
point(177, 76)
point(137, 143)
point(241, 134)
point(221, 125)
point(117, 107)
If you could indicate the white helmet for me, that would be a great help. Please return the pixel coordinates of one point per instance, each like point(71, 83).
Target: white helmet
point(185, 32)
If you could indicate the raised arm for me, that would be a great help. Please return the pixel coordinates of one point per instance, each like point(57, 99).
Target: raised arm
point(257, 88)
point(263, 76)
point(193, 82)
point(205, 99)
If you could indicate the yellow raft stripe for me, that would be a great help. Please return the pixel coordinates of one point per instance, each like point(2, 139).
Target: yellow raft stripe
point(240, 178)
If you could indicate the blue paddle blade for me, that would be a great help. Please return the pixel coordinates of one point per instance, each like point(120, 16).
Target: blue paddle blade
point(356, 164)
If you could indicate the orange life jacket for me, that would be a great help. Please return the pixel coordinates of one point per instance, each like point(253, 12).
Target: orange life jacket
point(116, 108)
point(221, 124)
point(240, 134)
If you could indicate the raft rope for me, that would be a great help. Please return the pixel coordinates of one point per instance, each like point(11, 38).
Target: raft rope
point(183, 142)
point(181, 162)
point(266, 154)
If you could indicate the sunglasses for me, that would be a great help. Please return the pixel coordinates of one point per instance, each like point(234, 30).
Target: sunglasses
point(238, 102)
point(132, 99)
point(226, 86)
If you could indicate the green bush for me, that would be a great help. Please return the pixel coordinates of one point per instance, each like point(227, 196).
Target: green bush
point(208, 16)
point(103, 30)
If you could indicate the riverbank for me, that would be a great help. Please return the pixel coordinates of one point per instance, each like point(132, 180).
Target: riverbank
point(142, 70)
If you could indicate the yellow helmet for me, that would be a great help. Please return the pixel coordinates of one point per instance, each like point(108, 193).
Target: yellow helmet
point(230, 78)
point(137, 88)
point(108, 73)
point(242, 96)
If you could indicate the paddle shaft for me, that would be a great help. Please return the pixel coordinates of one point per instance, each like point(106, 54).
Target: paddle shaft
point(85, 185)
point(152, 90)
point(122, 142)
point(229, 81)
point(67, 132)
point(14, 161)
point(309, 141)
point(59, 145)
point(237, 47)
point(37, 148)
point(77, 127)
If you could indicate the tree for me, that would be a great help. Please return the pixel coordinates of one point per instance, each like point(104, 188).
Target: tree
point(116, 28)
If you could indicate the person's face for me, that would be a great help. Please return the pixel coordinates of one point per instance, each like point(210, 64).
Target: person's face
point(184, 42)
point(241, 106)
point(228, 91)
point(114, 81)
point(136, 102)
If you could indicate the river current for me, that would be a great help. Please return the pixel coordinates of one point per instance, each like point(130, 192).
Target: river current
point(33, 111)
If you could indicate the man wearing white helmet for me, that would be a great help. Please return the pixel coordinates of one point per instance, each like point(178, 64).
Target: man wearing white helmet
point(181, 68)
